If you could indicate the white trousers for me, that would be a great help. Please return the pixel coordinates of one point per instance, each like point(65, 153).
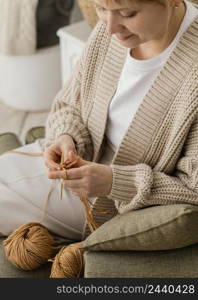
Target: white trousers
point(24, 186)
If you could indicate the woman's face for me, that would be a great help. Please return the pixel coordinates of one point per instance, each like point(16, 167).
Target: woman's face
point(141, 23)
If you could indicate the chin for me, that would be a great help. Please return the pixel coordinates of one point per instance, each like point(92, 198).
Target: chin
point(129, 44)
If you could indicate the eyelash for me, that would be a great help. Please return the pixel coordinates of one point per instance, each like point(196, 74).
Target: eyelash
point(128, 17)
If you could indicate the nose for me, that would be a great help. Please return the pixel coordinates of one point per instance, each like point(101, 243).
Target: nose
point(113, 23)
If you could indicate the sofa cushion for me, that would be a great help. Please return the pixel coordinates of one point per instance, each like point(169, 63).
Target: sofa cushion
point(152, 228)
point(34, 133)
point(8, 141)
point(177, 263)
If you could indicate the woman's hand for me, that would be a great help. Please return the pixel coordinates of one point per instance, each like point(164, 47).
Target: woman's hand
point(89, 179)
point(61, 148)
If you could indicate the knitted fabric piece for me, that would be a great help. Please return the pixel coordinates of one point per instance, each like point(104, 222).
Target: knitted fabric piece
point(18, 27)
point(156, 162)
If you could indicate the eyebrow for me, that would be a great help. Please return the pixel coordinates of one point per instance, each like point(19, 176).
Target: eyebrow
point(118, 9)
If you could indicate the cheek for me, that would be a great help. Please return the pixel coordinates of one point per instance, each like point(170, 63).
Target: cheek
point(149, 28)
point(158, 23)
point(139, 26)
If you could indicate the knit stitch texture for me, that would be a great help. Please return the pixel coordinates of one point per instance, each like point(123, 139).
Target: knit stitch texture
point(18, 27)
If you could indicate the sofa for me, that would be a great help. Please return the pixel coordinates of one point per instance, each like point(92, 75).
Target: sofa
point(154, 242)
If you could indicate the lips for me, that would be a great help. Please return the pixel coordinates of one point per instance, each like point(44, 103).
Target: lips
point(123, 38)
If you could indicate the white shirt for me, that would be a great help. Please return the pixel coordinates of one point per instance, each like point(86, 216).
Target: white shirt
point(136, 78)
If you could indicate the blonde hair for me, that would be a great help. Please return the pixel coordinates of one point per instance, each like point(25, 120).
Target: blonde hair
point(129, 2)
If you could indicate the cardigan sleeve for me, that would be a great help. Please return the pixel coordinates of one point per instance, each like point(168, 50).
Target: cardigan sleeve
point(138, 186)
point(65, 116)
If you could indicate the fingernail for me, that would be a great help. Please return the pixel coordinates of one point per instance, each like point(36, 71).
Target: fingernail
point(57, 167)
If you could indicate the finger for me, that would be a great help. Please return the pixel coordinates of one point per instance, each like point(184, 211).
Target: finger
point(76, 173)
point(63, 174)
point(56, 174)
point(74, 184)
point(50, 164)
point(50, 161)
point(72, 155)
point(69, 154)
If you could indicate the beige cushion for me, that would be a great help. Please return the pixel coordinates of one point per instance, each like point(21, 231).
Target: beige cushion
point(8, 141)
point(176, 263)
point(34, 133)
point(153, 228)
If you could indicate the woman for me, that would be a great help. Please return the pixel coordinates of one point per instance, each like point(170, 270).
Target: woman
point(129, 111)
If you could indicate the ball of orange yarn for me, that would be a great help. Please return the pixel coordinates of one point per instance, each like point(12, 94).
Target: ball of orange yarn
point(69, 262)
point(30, 246)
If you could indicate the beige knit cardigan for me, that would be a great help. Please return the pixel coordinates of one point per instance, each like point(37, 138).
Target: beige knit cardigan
point(157, 160)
